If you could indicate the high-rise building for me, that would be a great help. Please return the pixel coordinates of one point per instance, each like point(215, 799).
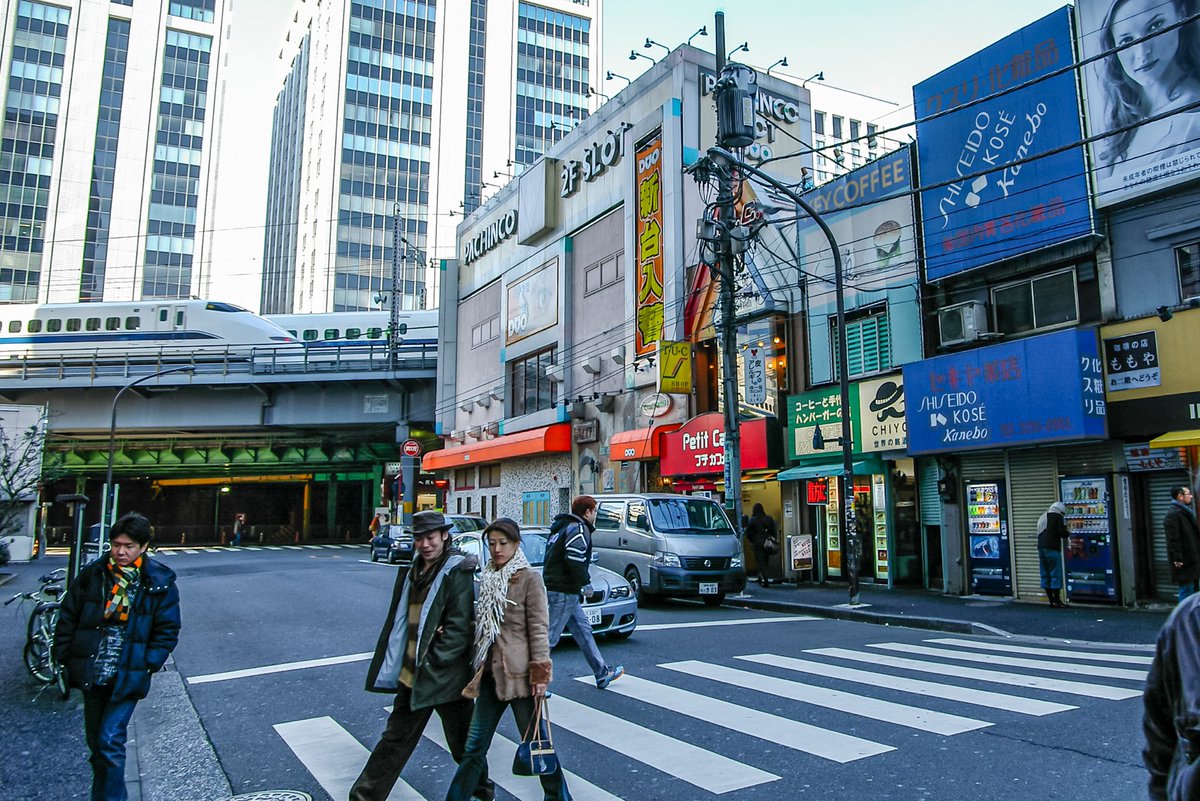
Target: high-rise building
point(845, 126)
point(109, 148)
point(397, 117)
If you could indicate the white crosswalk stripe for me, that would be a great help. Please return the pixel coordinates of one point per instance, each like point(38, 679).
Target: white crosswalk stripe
point(1128, 659)
point(793, 734)
point(950, 692)
point(996, 676)
point(333, 756)
point(1075, 668)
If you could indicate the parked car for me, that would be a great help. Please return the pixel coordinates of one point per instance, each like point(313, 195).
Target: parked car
point(611, 607)
point(393, 544)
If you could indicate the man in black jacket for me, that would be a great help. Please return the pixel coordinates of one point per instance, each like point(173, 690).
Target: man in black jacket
point(566, 574)
point(1183, 541)
point(118, 623)
point(424, 657)
point(1171, 714)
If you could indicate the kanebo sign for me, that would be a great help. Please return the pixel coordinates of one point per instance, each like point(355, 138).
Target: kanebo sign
point(597, 157)
point(490, 237)
point(771, 110)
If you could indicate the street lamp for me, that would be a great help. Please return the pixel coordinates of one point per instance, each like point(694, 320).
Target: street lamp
point(609, 75)
point(635, 55)
point(729, 162)
point(651, 43)
point(780, 63)
point(106, 511)
point(702, 32)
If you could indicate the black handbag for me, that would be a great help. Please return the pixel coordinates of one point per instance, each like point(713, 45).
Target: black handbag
point(535, 754)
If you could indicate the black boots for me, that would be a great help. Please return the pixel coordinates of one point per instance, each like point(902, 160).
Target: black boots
point(1055, 597)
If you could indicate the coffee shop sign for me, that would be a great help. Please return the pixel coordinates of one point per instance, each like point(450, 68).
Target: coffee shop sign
point(597, 157)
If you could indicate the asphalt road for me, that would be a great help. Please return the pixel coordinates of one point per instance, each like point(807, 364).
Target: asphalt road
point(825, 709)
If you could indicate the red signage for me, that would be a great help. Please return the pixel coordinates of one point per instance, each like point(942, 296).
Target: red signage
point(818, 492)
point(698, 448)
point(411, 448)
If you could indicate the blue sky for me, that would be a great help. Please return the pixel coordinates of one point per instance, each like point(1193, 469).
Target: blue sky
point(874, 47)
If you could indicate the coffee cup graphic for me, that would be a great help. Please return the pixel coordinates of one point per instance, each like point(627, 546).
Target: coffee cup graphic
point(887, 241)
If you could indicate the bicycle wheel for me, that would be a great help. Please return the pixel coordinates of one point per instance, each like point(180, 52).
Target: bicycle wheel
point(38, 661)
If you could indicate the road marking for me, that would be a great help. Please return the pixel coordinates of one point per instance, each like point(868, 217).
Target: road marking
point(525, 788)
point(273, 547)
point(333, 756)
point(995, 676)
point(706, 623)
point(798, 736)
point(311, 547)
point(252, 547)
point(292, 547)
point(283, 667)
point(190, 550)
point(950, 692)
point(335, 547)
point(887, 711)
point(1075, 668)
point(697, 766)
point(1127, 659)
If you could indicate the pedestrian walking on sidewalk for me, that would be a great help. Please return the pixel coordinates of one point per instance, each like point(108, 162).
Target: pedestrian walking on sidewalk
point(512, 656)
point(239, 528)
point(118, 624)
point(764, 537)
point(567, 575)
point(1051, 531)
point(1183, 541)
point(424, 657)
point(1170, 703)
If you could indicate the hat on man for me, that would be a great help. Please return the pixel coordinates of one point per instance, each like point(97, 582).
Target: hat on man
point(425, 522)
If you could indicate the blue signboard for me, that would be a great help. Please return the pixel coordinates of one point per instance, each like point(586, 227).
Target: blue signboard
point(1041, 389)
point(1016, 205)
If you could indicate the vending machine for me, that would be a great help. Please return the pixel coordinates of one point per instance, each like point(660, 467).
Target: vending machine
point(987, 539)
point(1091, 552)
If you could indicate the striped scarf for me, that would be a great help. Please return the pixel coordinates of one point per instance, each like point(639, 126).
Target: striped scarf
point(116, 608)
point(489, 609)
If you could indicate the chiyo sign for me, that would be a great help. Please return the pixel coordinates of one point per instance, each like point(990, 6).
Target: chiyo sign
point(597, 157)
point(490, 237)
point(781, 110)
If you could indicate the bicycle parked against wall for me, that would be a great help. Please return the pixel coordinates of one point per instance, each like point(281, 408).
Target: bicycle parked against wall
point(39, 637)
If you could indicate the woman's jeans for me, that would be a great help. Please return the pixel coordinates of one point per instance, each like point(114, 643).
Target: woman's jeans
point(488, 710)
point(105, 726)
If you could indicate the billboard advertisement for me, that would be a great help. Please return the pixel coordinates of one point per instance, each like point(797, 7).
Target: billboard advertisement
point(992, 194)
point(1141, 98)
point(1000, 395)
point(648, 239)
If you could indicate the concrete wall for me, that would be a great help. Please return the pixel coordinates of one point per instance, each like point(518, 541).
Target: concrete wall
point(1144, 238)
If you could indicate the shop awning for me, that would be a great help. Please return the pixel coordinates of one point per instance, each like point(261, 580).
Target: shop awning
point(638, 444)
point(862, 467)
point(1177, 439)
point(551, 439)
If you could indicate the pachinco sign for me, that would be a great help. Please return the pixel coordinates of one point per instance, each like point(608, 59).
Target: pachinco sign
point(770, 109)
point(490, 237)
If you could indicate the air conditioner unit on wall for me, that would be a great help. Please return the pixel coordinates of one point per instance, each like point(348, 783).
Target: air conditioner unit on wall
point(962, 323)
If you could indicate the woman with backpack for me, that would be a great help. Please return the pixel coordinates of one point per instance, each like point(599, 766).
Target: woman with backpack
point(762, 534)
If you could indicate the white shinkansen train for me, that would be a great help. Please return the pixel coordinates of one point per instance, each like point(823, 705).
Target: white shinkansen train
point(336, 329)
point(29, 330)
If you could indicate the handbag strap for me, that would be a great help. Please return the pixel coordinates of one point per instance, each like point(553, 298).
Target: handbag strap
point(541, 711)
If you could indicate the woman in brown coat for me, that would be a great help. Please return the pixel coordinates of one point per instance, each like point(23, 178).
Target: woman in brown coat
point(512, 656)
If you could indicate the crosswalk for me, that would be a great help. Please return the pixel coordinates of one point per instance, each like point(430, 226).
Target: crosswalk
point(691, 721)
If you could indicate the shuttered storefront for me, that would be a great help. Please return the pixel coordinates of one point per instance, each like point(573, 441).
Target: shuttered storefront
point(1158, 493)
point(1032, 487)
point(931, 502)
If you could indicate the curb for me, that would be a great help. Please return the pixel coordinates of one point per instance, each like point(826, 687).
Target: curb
point(876, 618)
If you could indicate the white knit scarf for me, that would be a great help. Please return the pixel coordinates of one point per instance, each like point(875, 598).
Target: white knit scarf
point(489, 609)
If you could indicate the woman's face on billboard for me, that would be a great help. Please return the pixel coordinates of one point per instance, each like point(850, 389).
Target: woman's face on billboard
point(1152, 62)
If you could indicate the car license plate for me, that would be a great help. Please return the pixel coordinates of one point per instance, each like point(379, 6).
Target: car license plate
point(593, 616)
point(708, 588)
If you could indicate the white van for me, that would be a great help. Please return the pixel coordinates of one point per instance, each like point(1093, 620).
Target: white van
point(669, 545)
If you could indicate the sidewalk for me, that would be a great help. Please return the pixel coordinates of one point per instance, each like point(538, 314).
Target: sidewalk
point(972, 614)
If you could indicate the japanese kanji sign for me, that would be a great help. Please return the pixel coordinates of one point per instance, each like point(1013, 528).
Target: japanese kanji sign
point(649, 244)
point(1131, 361)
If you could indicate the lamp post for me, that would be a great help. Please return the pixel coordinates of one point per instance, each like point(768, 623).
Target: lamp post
point(106, 510)
point(728, 162)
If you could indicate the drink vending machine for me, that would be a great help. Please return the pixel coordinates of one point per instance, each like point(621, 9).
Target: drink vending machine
point(1091, 551)
point(987, 539)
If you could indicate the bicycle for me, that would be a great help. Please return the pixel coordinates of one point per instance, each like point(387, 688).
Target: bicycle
point(38, 652)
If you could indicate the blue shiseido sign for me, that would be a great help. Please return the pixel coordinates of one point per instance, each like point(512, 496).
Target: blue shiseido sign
point(1040, 389)
point(990, 197)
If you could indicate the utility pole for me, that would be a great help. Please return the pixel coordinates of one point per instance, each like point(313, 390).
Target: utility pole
point(394, 305)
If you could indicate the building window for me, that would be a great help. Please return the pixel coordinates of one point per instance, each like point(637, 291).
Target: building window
point(819, 123)
point(201, 10)
point(535, 508)
point(868, 342)
point(464, 478)
point(1188, 260)
point(529, 387)
point(486, 331)
point(837, 127)
point(855, 125)
point(489, 476)
point(872, 142)
point(1043, 302)
point(603, 273)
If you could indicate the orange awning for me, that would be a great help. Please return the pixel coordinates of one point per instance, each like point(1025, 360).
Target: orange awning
point(551, 439)
point(638, 444)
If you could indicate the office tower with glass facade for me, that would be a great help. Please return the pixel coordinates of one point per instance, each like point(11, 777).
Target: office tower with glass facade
point(395, 118)
point(108, 150)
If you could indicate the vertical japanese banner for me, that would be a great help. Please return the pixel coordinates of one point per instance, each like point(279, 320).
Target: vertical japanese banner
point(649, 236)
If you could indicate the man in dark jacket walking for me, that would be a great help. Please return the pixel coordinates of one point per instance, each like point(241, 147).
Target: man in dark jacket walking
point(424, 657)
point(1183, 541)
point(566, 573)
point(1171, 708)
point(118, 624)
